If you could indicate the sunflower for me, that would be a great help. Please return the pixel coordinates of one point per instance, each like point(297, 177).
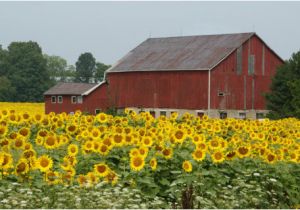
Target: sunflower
point(230, 155)
point(118, 139)
point(22, 167)
point(37, 118)
point(88, 146)
point(102, 117)
point(95, 133)
point(92, 178)
point(137, 163)
point(50, 142)
point(143, 151)
point(44, 163)
point(39, 141)
point(270, 157)
point(111, 177)
point(153, 164)
point(147, 141)
point(167, 153)
point(134, 152)
point(96, 146)
point(29, 153)
point(101, 169)
point(179, 135)
point(103, 149)
point(25, 132)
point(202, 146)
point(187, 166)
point(3, 131)
point(243, 151)
point(293, 157)
point(214, 144)
point(198, 155)
point(71, 129)
point(19, 143)
point(128, 139)
point(6, 161)
point(72, 150)
point(52, 177)
point(217, 157)
point(82, 180)
point(66, 164)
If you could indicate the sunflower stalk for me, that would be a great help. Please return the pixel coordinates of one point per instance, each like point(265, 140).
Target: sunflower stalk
point(187, 199)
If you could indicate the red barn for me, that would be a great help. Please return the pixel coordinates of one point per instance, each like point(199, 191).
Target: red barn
point(69, 97)
point(219, 75)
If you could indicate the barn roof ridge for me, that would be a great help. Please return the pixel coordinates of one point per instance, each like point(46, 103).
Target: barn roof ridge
point(195, 35)
point(195, 52)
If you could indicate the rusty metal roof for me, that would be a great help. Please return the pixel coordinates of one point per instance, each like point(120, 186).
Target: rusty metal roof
point(70, 88)
point(180, 53)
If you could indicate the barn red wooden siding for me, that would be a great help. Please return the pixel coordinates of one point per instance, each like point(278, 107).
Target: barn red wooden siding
point(244, 91)
point(167, 89)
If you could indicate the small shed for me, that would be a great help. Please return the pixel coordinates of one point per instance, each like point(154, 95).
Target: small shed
point(69, 97)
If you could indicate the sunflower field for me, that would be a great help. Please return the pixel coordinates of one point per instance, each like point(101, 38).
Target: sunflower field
point(137, 161)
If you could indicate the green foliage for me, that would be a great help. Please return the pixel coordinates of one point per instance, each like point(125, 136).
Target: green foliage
point(100, 70)
point(85, 67)
point(284, 99)
point(24, 67)
point(6, 89)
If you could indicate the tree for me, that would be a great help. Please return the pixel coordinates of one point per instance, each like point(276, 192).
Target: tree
point(100, 70)
point(27, 71)
point(7, 91)
point(284, 98)
point(3, 61)
point(56, 67)
point(85, 67)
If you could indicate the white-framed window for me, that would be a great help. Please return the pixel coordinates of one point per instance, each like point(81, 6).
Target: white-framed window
point(260, 115)
point(73, 99)
point(59, 99)
point(97, 111)
point(79, 99)
point(164, 113)
point(242, 115)
point(53, 99)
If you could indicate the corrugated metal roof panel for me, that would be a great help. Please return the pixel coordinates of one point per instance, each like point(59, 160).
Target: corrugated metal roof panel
point(70, 89)
point(180, 53)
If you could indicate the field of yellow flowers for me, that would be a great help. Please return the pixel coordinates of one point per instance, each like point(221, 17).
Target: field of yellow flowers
point(175, 162)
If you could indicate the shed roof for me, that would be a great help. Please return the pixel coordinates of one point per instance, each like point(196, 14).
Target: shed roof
point(180, 53)
point(71, 89)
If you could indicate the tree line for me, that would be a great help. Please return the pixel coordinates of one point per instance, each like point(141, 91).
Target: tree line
point(26, 73)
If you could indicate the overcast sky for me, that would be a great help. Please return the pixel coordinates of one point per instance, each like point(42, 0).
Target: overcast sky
point(110, 29)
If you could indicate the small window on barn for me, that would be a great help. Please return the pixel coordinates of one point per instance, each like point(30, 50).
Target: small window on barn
point(223, 115)
point(242, 115)
point(73, 99)
point(53, 99)
point(97, 111)
point(59, 99)
point(260, 115)
point(200, 114)
point(152, 113)
point(164, 113)
point(79, 99)
point(251, 63)
point(239, 60)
